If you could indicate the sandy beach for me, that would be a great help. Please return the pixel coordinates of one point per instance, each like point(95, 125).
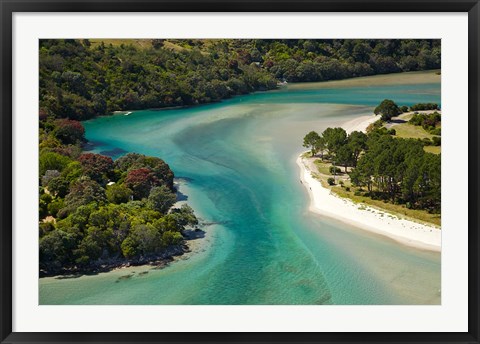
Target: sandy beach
point(324, 202)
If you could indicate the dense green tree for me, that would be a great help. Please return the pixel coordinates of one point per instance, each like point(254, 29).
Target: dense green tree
point(345, 156)
point(424, 106)
point(52, 161)
point(58, 186)
point(161, 199)
point(311, 141)
point(171, 238)
point(158, 168)
point(357, 141)
point(118, 193)
point(72, 171)
point(82, 192)
point(184, 216)
point(130, 248)
point(334, 138)
point(387, 109)
point(393, 169)
point(56, 249)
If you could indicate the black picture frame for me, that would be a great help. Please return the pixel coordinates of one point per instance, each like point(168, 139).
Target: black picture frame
point(8, 7)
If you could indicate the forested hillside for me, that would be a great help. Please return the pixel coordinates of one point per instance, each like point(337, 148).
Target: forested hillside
point(80, 79)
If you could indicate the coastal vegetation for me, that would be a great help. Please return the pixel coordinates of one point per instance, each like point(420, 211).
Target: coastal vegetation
point(382, 167)
point(420, 121)
point(80, 79)
point(97, 213)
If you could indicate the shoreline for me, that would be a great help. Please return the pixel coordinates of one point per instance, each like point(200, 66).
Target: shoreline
point(291, 85)
point(191, 245)
point(326, 203)
point(158, 261)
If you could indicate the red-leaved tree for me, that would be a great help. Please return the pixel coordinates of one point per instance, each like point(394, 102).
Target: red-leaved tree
point(69, 131)
point(97, 167)
point(141, 181)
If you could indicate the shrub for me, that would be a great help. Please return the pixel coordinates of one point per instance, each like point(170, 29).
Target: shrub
point(118, 193)
point(52, 161)
point(331, 181)
point(55, 206)
point(347, 188)
point(424, 106)
point(161, 199)
point(436, 131)
point(427, 142)
point(69, 131)
point(335, 170)
point(58, 186)
point(49, 175)
point(171, 238)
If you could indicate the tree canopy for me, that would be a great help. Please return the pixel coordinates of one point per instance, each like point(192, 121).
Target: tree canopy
point(80, 79)
point(393, 169)
point(387, 109)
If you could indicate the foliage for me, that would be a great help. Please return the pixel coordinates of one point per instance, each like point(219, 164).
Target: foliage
point(58, 186)
point(118, 193)
point(69, 131)
point(357, 142)
point(52, 161)
point(92, 225)
point(82, 192)
point(335, 170)
point(97, 167)
point(141, 181)
point(387, 109)
point(429, 122)
point(161, 199)
point(311, 141)
point(393, 169)
point(334, 138)
point(424, 106)
point(159, 168)
point(79, 80)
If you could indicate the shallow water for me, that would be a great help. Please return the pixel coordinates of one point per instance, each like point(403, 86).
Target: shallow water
point(236, 160)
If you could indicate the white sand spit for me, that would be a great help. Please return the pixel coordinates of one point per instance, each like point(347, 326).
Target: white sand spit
point(360, 123)
point(326, 203)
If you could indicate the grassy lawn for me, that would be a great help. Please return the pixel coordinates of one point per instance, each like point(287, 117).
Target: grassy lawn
point(406, 131)
point(433, 149)
point(397, 210)
point(409, 131)
point(323, 167)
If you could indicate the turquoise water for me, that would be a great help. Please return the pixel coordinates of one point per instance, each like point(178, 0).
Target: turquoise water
point(235, 161)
